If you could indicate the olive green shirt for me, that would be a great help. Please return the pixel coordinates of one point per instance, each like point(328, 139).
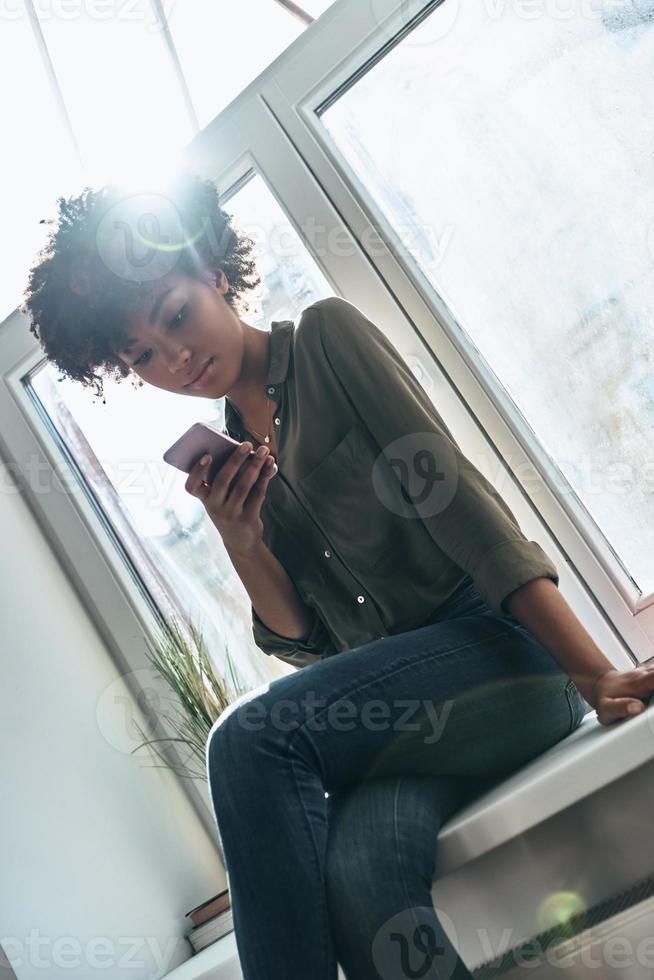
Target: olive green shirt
point(375, 513)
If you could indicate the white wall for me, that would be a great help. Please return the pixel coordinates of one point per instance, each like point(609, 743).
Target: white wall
point(101, 853)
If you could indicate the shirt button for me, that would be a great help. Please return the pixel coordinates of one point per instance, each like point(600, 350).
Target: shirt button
point(360, 598)
point(328, 553)
point(277, 420)
point(271, 390)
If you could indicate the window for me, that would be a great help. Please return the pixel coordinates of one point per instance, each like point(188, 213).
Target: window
point(221, 54)
point(509, 148)
point(119, 87)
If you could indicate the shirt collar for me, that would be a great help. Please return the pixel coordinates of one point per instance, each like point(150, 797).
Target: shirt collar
point(281, 335)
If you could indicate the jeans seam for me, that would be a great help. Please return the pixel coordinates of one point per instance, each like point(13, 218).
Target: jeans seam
point(407, 898)
point(398, 855)
point(314, 850)
point(402, 665)
point(396, 838)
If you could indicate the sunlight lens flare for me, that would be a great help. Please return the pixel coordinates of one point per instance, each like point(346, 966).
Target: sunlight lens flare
point(557, 908)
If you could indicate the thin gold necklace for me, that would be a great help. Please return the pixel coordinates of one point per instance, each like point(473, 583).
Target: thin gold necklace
point(258, 434)
point(249, 428)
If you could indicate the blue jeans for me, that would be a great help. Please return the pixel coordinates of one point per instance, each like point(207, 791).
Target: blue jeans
point(330, 787)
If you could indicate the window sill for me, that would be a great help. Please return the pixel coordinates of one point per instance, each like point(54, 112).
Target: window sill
point(590, 758)
point(219, 961)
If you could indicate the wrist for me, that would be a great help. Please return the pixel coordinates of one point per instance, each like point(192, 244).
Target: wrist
point(591, 697)
point(250, 554)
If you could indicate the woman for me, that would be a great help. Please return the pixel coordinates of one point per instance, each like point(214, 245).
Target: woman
point(437, 653)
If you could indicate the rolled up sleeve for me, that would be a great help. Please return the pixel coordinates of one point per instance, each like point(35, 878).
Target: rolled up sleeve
point(474, 528)
point(509, 565)
point(299, 653)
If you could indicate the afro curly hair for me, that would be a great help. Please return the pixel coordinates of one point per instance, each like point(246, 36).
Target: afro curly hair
point(88, 279)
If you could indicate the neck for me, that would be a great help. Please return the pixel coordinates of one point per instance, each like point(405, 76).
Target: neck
point(247, 394)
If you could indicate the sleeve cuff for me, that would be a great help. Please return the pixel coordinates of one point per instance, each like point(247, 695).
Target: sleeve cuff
point(297, 652)
point(507, 566)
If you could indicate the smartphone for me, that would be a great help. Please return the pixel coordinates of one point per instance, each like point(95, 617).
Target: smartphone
point(202, 438)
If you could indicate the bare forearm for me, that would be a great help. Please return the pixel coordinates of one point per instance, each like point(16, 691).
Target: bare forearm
point(540, 607)
point(273, 593)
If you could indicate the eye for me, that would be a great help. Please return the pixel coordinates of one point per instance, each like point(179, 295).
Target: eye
point(174, 323)
point(140, 360)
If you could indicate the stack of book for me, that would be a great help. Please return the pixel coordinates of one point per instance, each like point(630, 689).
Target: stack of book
point(211, 921)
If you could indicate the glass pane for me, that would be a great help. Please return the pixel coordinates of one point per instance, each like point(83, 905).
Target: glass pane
point(119, 87)
point(38, 157)
point(176, 550)
point(511, 150)
point(219, 50)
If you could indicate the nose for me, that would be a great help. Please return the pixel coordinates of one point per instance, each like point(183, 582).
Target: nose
point(177, 361)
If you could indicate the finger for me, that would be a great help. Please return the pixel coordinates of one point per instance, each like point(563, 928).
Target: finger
point(249, 475)
point(241, 454)
point(266, 470)
point(254, 501)
point(196, 483)
point(612, 709)
point(638, 682)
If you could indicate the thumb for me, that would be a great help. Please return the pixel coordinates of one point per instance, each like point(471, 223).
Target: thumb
point(621, 708)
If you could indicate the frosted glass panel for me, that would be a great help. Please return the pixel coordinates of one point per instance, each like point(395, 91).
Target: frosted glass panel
point(177, 552)
point(222, 47)
point(120, 88)
point(510, 147)
point(39, 162)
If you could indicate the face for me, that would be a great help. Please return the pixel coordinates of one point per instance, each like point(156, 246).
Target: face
point(181, 325)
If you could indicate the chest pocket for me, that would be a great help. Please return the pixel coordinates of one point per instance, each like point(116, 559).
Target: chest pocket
point(365, 530)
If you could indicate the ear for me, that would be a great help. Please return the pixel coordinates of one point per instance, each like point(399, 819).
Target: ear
point(222, 285)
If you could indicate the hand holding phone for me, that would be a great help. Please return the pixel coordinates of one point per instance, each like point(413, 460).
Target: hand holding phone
point(231, 485)
point(202, 438)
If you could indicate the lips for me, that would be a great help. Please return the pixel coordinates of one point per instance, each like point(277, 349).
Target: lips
point(200, 373)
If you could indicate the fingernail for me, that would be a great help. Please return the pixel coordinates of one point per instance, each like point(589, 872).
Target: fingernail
point(635, 709)
point(205, 459)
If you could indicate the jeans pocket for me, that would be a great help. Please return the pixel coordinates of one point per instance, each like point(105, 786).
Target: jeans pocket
point(576, 704)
